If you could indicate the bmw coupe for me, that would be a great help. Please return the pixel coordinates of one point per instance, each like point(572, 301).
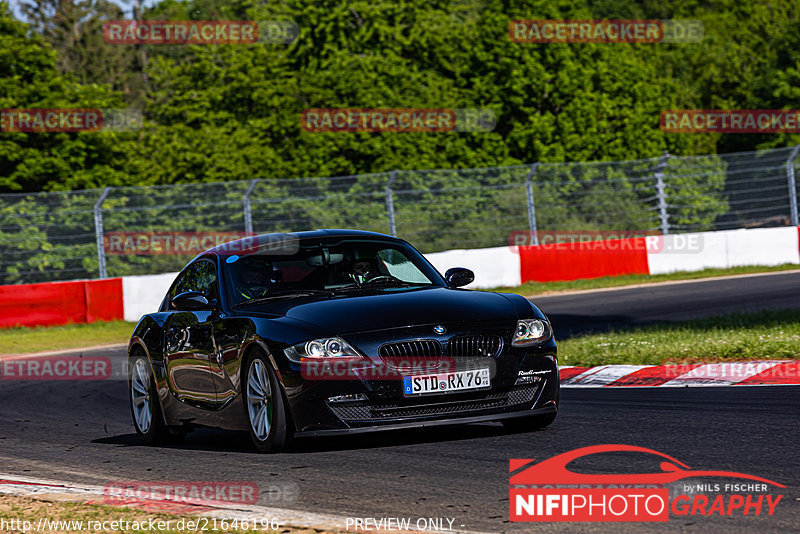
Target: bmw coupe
point(335, 332)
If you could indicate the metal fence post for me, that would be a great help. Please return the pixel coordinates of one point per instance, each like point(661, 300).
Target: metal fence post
point(248, 216)
point(791, 184)
point(531, 205)
point(98, 232)
point(390, 203)
point(663, 215)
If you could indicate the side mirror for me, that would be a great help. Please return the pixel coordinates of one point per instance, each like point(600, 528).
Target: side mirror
point(459, 276)
point(190, 301)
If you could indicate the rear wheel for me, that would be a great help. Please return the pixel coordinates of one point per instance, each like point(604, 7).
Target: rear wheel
point(145, 408)
point(265, 406)
point(531, 422)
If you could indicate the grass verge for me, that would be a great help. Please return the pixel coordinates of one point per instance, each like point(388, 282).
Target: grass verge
point(43, 338)
point(767, 335)
point(541, 288)
point(58, 516)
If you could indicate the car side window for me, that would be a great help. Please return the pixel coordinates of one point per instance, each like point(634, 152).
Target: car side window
point(200, 276)
point(176, 287)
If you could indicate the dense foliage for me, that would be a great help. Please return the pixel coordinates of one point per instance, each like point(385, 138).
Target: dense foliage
point(224, 113)
point(228, 112)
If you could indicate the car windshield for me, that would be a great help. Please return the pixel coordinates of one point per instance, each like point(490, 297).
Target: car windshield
point(349, 266)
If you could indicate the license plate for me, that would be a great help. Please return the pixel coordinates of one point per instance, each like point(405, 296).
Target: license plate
point(444, 382)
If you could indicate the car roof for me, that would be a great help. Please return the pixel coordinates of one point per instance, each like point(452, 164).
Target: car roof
point(246, 242)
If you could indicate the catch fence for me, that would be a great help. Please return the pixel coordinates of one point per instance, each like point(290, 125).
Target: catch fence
point(67, 235)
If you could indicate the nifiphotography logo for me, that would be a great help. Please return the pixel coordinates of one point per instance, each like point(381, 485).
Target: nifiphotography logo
point(549, 491)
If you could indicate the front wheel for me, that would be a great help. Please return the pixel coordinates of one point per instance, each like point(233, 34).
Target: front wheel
point(528, 423)
point(145, 408)
point(265, 406)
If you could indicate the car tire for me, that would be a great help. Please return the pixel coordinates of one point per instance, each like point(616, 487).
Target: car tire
point(148, 419)
point(531, 422)
point(264, 406)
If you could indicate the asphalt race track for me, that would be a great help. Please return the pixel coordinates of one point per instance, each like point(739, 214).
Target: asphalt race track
point(675, 301)
point(81, 432)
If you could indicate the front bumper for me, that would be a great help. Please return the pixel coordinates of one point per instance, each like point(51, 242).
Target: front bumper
point(523, 384)
point(356, 413)
point(461, 420)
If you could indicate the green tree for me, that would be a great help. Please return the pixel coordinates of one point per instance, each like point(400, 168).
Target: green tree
point(74, 28)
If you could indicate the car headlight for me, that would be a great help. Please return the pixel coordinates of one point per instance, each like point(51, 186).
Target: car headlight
point(329, 347)
point(530, 332)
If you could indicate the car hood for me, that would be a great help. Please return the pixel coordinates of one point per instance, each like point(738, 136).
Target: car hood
point(387, 310)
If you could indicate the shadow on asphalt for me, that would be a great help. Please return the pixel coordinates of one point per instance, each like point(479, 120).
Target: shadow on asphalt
point(206, 439)
point(394, 438)
point(209, 439)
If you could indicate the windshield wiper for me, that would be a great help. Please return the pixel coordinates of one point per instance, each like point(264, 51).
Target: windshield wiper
point(385, 282)
point(287, 293)
point(346, 287)
point(380, 284)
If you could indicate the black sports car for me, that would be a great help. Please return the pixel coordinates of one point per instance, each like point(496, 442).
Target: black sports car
point(335, 331)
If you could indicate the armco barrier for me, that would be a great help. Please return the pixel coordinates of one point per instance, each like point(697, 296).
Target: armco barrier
point(143, 294)
point(729, 248)
point(493, 267)
point(573, 261)
point(55, 303)
point(133, 296)
point(725, 249)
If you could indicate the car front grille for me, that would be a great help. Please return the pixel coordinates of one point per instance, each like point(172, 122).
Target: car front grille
point(394, 354)
point(368, 411)
point(475, 345)
point(484, 345)
point(416, 348)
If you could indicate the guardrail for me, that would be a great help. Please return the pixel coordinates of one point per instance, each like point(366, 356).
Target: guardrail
point(111, 231)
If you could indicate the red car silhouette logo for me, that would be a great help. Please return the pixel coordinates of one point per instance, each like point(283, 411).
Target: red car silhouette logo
point(554, 470)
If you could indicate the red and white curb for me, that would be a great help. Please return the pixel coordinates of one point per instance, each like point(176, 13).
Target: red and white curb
point(285, 518)
point(753, 373)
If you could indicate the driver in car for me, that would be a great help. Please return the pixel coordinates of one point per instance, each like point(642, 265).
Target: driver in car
point(253, 280)
point(364, 269)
